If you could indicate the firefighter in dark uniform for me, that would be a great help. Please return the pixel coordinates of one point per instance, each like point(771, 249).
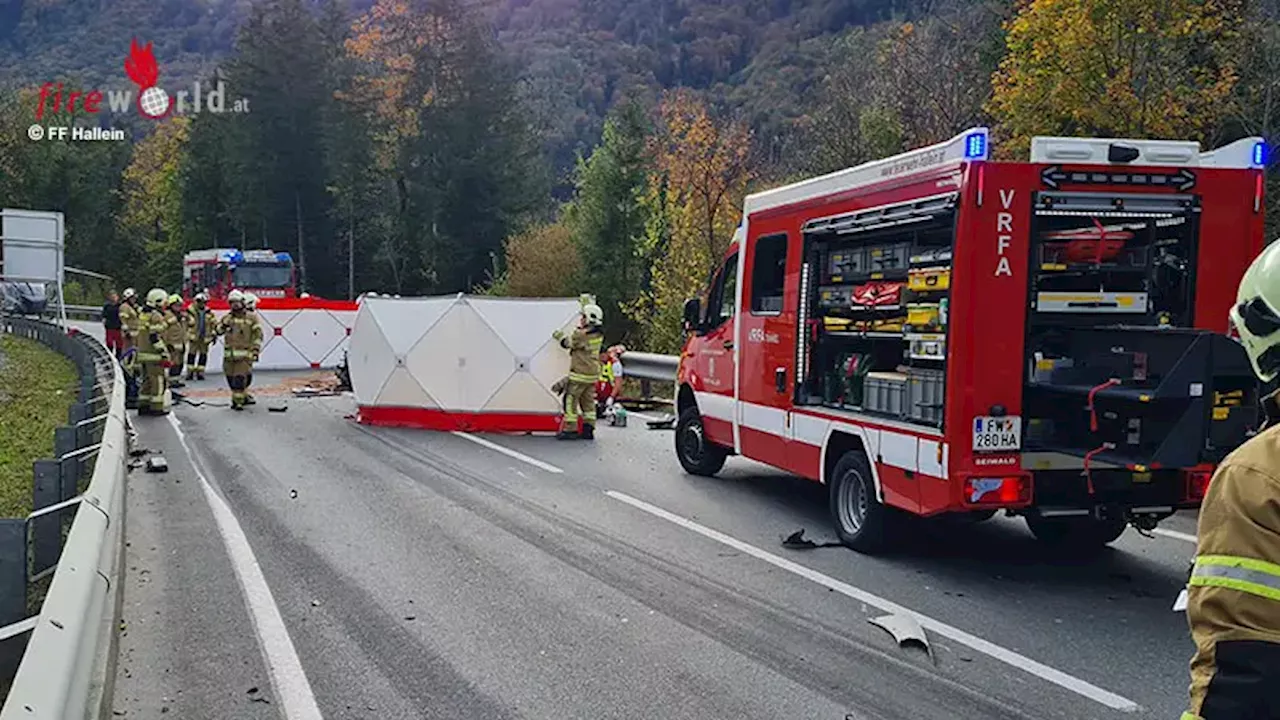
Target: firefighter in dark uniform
point(129, 319)
point(1233, 603)
point(202, 331)
point(584, 370)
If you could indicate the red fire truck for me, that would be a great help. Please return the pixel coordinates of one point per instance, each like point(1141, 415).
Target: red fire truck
point(936, 333)
point(265, 273)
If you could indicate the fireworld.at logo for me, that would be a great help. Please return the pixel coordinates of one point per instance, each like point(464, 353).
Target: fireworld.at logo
point(151, 100)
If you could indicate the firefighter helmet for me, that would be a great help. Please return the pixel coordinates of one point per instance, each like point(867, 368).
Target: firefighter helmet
point(175, 299)
point(129, 294)
point(251, 301)
point(593, 314)
point(156, 297)
point(1256, 315)
point(202, 297)
point(235, 298)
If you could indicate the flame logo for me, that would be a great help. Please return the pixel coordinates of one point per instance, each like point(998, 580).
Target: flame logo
point(141, 65)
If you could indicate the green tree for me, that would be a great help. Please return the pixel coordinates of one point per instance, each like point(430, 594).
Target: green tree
point(607, 219)
point(153, 211)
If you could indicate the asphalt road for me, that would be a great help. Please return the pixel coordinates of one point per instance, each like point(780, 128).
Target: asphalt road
point(401, 574)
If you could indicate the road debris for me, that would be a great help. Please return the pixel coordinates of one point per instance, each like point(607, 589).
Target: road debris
point(906, 630)
point(278, 408)
point(797, 541)
point(293, 494)
point(157, 464)
point(666, 422)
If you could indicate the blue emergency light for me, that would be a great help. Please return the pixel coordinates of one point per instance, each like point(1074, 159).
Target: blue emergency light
point(284, 257)
point(1260, 153)
point(975, 146)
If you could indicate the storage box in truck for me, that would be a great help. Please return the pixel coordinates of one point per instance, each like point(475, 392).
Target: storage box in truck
point(937, 333)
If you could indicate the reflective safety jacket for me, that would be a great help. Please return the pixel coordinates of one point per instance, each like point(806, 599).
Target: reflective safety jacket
point(150, 341)
point(584, 354)
point(244, 336)
point(129, 319)
point(1233, 603)
point(175, 332)
point(202, 325)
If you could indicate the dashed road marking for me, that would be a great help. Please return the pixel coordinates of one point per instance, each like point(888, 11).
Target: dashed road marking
point(297, 700)
point(510, 453)
point(1009, 657)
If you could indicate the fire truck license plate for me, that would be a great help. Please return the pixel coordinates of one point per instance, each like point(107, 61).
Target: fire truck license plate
point(997, 434)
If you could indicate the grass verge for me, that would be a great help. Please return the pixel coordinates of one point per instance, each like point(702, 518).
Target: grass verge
point(37, 387)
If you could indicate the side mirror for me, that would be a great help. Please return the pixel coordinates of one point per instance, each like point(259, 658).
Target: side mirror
point(692, 313)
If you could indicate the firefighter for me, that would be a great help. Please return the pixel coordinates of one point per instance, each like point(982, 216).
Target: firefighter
point(240, 348)
point(1233, 603)
point(251, 306)
point(584, 370)
point(175, 337)
point(129, 333)
point(202, 331)
point(153, 355)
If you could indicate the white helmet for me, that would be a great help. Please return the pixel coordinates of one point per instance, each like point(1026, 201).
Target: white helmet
point(593, 314)
point(157, 297)
point(251, 301)
point(129, 293)
point(1256, 315)
point(235, 297)
point(202, 297)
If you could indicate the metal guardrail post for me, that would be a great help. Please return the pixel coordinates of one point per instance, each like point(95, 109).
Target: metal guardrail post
point(13, 570)
point(46, 532)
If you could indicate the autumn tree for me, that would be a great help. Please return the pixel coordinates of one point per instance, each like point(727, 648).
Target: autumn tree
point(1116, 68)
point(153, 210)
point(542, 262)
point(695, 192)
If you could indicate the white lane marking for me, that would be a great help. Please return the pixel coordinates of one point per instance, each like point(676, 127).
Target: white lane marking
point(510, 453)
point(985, 647)
point(1175, 535)
point(287, 676)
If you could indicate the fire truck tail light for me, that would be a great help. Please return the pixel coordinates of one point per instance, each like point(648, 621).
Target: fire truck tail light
point(996, 491)
point(1198, 484)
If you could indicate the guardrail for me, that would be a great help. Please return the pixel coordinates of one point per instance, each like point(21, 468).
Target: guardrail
point(648, 366)
point(86, 312)
point(65, 671)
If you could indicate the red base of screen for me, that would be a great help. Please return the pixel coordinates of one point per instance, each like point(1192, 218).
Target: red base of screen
point(455, 421)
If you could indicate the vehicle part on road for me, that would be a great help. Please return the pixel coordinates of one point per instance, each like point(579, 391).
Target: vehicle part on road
point(667, 422)
point(697, 455)
point(157, 464)
point(1109, 379)
point(278, 408)
point(460, 363)
point(906, 630)
point(797, 541)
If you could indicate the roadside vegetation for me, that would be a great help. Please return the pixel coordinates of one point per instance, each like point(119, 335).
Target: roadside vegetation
point(37, 387)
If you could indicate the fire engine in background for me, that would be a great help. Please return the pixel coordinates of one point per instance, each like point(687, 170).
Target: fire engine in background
point(265, 273)
point(936, 333)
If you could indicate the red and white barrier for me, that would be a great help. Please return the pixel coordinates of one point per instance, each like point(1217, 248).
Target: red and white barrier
point(460, 362)
point(297, 333)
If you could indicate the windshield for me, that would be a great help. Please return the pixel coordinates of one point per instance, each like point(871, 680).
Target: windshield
point(263, 276)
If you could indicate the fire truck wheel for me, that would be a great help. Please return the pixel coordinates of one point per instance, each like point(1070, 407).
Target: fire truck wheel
point(698, 456)
point(861, 521)
point(1076, 533)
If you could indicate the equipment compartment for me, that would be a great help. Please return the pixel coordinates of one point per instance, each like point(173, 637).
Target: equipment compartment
point(888, 258)
point(929, 279)
point(925, 395)
point(845, 265)
point(885, 392)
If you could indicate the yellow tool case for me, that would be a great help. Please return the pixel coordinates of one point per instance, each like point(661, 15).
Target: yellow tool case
point(929, 279)
point(923, 316)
